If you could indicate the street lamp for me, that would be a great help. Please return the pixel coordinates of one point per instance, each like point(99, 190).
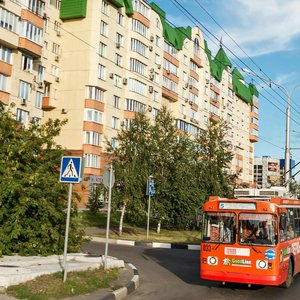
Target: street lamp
point(287, 156)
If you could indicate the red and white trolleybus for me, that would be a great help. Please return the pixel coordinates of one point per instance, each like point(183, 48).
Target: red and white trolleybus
point(251, 241)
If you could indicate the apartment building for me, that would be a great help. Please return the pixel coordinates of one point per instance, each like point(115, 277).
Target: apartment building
point(97, 63)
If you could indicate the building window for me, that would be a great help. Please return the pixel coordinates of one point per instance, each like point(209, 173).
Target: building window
point(22, 116)
point(169, 84)
point(104, 7)
point(157, 41)
point(36, 6)
point(92, 115)
point(41, 73)
point(38, 100)
point(8, 20)
point(95, 93)
point(24, 89)
point(36, 121)
point(170, 49)
point(120, 19)
point(139, 27)
point(138, 46)
point(137, 86)
point(133, 105)
point(193, 66)
point(119, 39)
point(54, 70)
point(56, 49)
point(92, 138)
point(116, 101)
point(31, 32)
point(5, 54)
point(103, 28)
point(137, 66)
point(170, 67)
point(101, 72)
point(3, 82)
point(196, 47)
point(115, 122)
point(117, 80)
point(26, 63)
point(114, 143)
point(102, 49)
point(91, 160)
point(140, 7)
point(118, 59)
point(155, 96)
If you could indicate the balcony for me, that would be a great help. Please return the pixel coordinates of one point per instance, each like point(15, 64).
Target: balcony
point(48, 103)
point(9, 38)
point(30, 47)
point(170, 95)
point(253, 138)
point(5, 68)
point(4, 97)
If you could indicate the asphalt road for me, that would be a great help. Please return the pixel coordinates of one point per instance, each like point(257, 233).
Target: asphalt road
point(171, 274)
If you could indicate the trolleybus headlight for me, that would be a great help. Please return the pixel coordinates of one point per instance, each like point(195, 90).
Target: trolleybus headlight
point(261, 264)
point(212, 260)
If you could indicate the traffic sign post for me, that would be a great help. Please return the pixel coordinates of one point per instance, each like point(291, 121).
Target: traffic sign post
point(69, 173)
point(150, 192)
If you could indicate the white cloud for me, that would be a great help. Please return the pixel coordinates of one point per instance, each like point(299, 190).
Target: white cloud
point(259, 27)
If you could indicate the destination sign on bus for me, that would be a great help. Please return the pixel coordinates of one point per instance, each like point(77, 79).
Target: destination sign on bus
point(237, 205)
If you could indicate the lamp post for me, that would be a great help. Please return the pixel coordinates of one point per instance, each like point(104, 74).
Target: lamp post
point(287, 153)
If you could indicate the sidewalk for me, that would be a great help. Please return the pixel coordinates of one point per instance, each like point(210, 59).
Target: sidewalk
point(18, 269)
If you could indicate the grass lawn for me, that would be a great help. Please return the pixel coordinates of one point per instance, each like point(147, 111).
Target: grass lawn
point(98, 221)
point(48, 287)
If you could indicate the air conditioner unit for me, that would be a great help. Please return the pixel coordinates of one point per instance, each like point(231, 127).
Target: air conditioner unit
point(186, 85)
point(207, 81)
point(151, 70)
point(23, 101)
point(111, 75)
point(186, 100)
point(118, 45)
point(151, 38)
point(122, 123)
point(190, 86)
point(151, 76)
point(40, 85)
point(64, 111)
point(191, 102)
point(44, 15)
point(149, 108)
point(34, 77)
point(184, 117)
point(57, 79)
point(125, 81)
point(58, 33)
point(150, 89)
point(150, 48)
point(57, 58)
point(168, 72)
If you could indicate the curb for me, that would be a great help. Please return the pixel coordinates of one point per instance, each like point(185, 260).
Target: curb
point(147, 244)
point(131, 286)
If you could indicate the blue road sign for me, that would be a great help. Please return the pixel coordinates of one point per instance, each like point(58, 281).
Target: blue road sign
point(70, 169)
point(151, 188)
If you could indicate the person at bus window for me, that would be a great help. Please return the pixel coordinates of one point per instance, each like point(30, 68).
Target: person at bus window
point(248, 232)
point(290, 232)
point(227, 234)
point(262, 233)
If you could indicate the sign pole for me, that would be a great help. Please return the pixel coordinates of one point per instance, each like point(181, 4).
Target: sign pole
point(67, 232)
point(110, 184)
point(148, 215)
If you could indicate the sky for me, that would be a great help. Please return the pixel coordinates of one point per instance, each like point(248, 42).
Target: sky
point(262, 36)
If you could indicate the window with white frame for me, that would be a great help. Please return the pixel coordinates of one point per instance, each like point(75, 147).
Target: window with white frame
point(26, 63)
point(137, 86)
point(92, 138)
point(95, 93)
point(24, 89)
point(115, 122)
point(119, 38)
point(157, 58)
point(117, 80)
point(155, 96)
point(41, 73)
point(196, 47)
point(31, 32)
point(169, 84)
point(93, 115)
point(140, 7)
point(170, 67)
point(54, 70)
point(193, 98)
point(193, 66)
point(192, 81)
point(102, 49)
point(56, 49)
point(229, 93)
point(158, 24)
point(138, 46)
point(38, 100)
point(137, 66)
point(8, 20)
point(103, 28)
point(134, 105)
point(214, 110)
point(91, 160)
point(57, 27)
point(5, 54)
point(170, 49)
point(157, 41)
point(214, 95)
point(116, 101)
point(139, 27)
point(55, 3)
point(118, 59)
point(104, 7)
point(36, 121)
point(36, 6)
point(3, 80)
point(22, 116)
point(114, 143)
point(120, 19)
point(101, 72)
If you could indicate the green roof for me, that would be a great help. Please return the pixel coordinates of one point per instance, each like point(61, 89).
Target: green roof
point(72, 9)
point(174, 35)
point(240, 88)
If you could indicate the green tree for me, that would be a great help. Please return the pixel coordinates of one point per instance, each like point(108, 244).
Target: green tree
point(214, 160)
point(97, 194)
point(32, 201)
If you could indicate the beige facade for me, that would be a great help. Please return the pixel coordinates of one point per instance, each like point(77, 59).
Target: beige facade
point(99, 69)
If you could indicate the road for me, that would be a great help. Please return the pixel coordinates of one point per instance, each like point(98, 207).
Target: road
point(171, 274)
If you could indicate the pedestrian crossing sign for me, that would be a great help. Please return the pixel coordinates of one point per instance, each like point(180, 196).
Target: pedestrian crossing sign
point(70, 169)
